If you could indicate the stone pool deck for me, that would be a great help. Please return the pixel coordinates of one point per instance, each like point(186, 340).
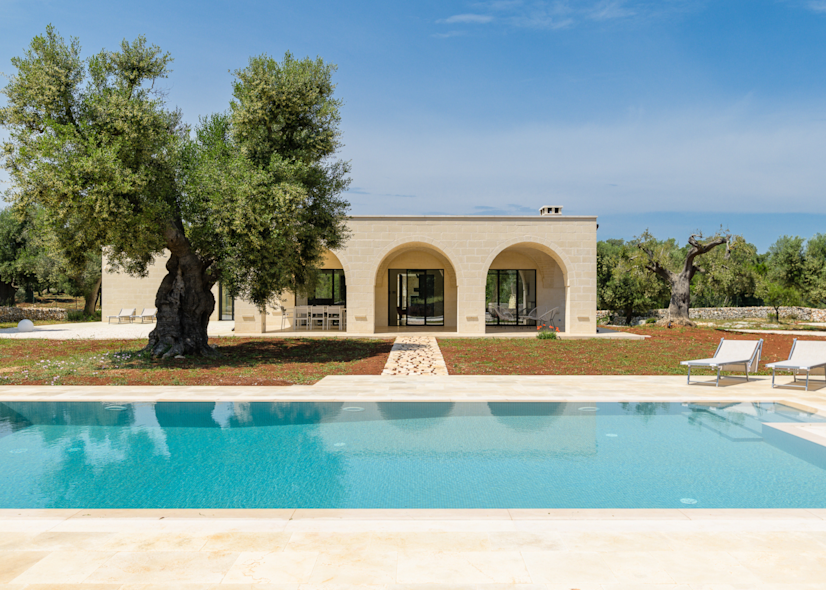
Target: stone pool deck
point(685, 549)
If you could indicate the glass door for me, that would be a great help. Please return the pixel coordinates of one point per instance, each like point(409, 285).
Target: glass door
point(510, 297)
point(226, 304)
point(419, 296)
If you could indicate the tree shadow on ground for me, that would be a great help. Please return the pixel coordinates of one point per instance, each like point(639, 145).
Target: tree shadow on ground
point(252, 353)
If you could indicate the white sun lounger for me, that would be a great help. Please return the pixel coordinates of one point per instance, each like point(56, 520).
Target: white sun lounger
point(731, 355)
point(805, 356)
point(148, 313)
point(125, 314)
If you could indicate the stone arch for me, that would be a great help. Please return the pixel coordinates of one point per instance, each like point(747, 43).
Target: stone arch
point(439, 258)
point(554, 295)
point(418, 241)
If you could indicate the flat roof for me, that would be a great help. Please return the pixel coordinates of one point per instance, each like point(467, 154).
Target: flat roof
point(479, 217)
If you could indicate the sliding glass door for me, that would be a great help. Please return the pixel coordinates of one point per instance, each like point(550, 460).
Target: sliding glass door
point(419, 296)
point(510, 295)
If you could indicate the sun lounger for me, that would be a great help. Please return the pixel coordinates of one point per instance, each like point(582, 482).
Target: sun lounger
point(125, 314)
point(148, 313)
point(805, 356)
point(731, 355)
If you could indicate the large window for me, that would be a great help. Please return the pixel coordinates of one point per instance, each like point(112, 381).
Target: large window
point(510, 295)
point(419, 296)
point(331, 289)
point(226, 304)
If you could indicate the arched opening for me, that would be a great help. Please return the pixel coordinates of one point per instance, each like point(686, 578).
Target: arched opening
point(330, 292)
point(415, 289)
point(525, 283)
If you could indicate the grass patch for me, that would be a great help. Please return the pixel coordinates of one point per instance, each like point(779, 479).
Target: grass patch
point(658, 355)
point(242, 361)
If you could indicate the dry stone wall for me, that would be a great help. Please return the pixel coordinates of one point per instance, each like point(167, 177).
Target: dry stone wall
point(15, 314)
point(810, 314)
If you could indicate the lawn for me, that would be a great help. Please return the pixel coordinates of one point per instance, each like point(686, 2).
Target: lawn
point(658, 355)
point(243, 361)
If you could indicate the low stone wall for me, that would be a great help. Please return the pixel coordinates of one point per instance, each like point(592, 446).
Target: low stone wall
point(15, 314)
point(809, 314)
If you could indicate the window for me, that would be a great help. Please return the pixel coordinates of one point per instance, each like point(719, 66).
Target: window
point(331, 289)
point(510, 295)
point(226, 304)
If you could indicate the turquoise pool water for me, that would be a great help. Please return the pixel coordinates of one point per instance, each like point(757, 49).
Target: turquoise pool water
point(406, 455)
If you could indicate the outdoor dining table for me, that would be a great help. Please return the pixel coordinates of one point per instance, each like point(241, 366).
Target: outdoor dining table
point(318, 313)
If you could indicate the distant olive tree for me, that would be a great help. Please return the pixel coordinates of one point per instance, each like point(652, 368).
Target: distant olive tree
point(678, 267)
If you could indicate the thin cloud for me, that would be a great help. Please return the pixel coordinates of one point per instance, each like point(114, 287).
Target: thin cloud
point(610, 9)
point(818, 6)
point(473, 19)
point(561, 14)
point(449, 34)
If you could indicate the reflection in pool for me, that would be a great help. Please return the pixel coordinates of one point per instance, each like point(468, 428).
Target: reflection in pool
point(406, 455)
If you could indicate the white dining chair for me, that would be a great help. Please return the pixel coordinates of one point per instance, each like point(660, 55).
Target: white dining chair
point(335, 316)
point(302, 317)
point(318, 316)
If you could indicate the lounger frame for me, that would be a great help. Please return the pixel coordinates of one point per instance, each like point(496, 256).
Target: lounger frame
point(794, 371)
point(755, 359)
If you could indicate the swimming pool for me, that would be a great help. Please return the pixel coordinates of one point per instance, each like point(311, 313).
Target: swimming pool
point(406, 455)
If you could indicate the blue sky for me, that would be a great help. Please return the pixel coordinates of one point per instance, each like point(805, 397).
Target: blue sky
point(673, 115)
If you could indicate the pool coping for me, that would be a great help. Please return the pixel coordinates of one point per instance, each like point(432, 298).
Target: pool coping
point(386, 389)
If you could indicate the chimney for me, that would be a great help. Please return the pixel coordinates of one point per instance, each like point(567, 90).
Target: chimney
point(555, 210)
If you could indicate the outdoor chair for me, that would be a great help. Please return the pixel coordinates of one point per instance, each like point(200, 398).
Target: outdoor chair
point(302, 317)
point(334, 316)
point(148, 313)
point(124, 315)
point(317, 316)
point(805, 356)
point(287, 314)
point(548, 316)
point(731, 355)
point(504, 314)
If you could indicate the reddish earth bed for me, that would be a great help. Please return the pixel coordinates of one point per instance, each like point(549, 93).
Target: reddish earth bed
point(658, 355)
point(242, 361)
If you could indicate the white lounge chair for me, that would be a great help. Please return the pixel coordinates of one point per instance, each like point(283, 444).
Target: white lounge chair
point(731, 355)
point(805, 356)
point(148, 313)
point(125, 314)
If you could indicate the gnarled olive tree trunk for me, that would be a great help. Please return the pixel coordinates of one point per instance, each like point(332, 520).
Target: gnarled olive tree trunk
point(91, 297)
point(680, 283)
point(184, 301)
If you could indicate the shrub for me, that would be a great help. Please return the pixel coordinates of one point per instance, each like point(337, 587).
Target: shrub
point(78, 315)
point(546, 336)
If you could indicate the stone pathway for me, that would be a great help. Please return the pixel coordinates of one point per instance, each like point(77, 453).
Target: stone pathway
point(415, 355)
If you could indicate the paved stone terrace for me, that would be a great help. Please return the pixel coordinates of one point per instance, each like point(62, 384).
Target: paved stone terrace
point(688, 549)
point(415, 356)
point(413, 550)
point(456, 388)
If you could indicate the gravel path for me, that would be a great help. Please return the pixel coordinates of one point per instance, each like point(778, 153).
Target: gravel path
point(415, 355)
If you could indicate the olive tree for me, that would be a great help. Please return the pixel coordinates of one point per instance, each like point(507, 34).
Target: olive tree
point(252, 200)
point(678, 267)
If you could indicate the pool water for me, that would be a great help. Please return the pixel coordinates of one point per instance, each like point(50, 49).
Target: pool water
point(406, 455)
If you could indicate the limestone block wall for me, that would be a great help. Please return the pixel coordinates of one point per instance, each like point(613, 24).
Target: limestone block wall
point(810, 314)
point(119, 290)
point(561, 248)
point(15, 314)
point(471, 244)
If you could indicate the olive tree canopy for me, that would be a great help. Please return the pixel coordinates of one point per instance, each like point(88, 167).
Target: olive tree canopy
point(252, 200)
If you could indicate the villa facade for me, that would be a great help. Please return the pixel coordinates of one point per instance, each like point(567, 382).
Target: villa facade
point(464, 274)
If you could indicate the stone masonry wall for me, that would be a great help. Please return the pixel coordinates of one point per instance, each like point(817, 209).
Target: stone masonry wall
point(15, 314)
point(725, 313)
